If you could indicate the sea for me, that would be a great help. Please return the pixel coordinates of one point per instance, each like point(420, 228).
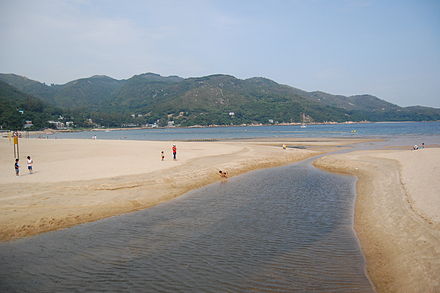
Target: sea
point(284, 229)
point(379, 130)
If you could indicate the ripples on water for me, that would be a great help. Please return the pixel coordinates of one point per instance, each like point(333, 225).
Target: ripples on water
point(285, 229)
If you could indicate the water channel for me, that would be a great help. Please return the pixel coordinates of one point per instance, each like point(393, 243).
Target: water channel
point(285, 229)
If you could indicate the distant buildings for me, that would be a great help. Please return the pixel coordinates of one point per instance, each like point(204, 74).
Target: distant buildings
point(61, 125)
point(130, 125)
point(28, 124)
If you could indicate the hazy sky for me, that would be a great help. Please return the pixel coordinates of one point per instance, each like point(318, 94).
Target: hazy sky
point(387, 48)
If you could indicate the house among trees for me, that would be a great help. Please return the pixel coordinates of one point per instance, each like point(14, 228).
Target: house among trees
point(28, 124)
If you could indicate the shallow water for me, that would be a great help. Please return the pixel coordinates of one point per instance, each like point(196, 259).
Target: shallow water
point(278, 131)
point(286, 229)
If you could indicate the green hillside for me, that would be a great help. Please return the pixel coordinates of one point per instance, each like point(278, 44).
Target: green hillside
point(215, 99)
point(17, 107)
point(209, 100)
point(86, 93)
point(29, 86)
point(358, 102)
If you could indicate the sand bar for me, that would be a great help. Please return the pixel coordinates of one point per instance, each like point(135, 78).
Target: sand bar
point(397, 215)
point(77, 181)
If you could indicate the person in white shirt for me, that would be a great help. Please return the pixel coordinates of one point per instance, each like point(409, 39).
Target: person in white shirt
point(29, 164)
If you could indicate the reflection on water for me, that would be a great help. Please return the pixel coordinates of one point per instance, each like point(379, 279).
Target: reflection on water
point(285, 229)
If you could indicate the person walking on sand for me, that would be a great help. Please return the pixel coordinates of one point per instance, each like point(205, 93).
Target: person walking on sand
point(174, 152)
point(17, 168)
point(162, 154)
point(29, 162)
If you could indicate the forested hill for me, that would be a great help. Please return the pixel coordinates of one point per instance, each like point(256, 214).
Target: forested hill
point(16, 108)
point(215, 99)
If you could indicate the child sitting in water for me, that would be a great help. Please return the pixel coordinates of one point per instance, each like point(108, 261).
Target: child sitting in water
point(222, 174)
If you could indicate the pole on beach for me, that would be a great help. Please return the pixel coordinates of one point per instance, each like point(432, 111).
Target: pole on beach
point(16, 150)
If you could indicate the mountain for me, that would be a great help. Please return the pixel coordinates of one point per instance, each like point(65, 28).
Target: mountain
point(143, 90)
point(358, 102)
point(18, 107)
point(29, 86)
point(213, 99)
point(89, 93)
point(251, 100)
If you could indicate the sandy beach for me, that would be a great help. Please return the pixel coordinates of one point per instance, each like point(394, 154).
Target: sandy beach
point(397, 215)
point(397, 211)
point(78, 181)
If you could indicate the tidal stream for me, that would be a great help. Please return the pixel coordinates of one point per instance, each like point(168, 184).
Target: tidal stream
point(285, 229)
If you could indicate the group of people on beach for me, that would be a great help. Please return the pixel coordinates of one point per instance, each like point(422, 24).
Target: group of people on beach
point(29, 164)
point(222, 174)
point(418, 147)
point(173, 149)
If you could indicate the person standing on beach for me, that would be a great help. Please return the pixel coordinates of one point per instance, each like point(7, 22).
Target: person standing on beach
point(162, 154)
point(17, 168)
point(29, 162)
point(174, 152)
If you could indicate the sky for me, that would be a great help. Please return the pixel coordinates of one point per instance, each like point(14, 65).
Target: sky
point(387, 48)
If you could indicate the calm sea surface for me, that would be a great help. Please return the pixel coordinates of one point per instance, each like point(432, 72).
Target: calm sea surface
point(337, 130)
point(286, 229)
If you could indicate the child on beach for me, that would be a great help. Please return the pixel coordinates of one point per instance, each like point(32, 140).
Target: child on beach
point(162, 155)
point(29, 162)
point(17, 168)
point(223, 174)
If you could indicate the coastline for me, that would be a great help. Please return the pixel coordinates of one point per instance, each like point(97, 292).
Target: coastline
point(396, 215)
point(53, 131)
point(77, 181)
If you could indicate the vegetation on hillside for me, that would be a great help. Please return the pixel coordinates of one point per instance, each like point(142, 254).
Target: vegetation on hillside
point(17, 108)
point(216, 99)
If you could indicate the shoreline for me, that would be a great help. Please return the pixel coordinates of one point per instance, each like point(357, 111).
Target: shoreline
point(53, 131)
point(395, 216)
point(77, 181)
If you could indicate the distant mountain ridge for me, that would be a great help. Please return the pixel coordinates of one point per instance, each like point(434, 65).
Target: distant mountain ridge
point(213, 99)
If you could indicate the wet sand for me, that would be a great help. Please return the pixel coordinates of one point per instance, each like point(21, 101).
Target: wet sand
point(397, 215)
point(78, 181)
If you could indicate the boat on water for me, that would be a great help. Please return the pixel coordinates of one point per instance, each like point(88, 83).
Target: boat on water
point(303, 118)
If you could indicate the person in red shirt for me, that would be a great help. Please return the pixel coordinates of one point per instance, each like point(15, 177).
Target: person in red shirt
point(174, 152)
